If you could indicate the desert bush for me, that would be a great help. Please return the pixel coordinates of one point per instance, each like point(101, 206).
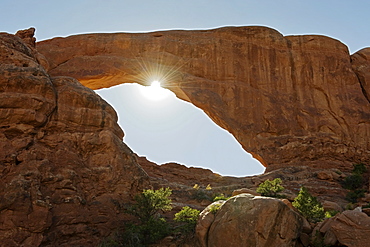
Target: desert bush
point(150, 202)
point(151, 227)
point(200, 194)
point(309, 206)
point(270, 188)
point(353, 182)
point(359, 169)
point(353, 196)
point(189, 217)
point(331, 213)
point(214, 208)
point(220, 197)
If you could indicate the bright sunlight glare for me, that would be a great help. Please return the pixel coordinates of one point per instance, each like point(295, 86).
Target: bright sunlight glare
point(155, 92)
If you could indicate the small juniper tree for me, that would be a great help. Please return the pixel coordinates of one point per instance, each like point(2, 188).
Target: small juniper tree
point(189, 217)
point(150, 202)
point(309, 206)
point(152, 226)
point(270, 188)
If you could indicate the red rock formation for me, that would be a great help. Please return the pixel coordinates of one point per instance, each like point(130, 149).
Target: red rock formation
point(350, 228)
point(289, 101)
point(361, 65)
point(65, 172)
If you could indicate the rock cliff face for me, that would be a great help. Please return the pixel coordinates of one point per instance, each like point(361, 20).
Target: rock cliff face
point(295, 100)
point(65, 172)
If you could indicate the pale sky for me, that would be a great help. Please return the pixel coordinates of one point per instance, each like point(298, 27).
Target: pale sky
point(170, 129)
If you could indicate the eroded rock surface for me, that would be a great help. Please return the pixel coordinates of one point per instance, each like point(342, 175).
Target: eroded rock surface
point(247, 220)
point(350, 228)
point(65, 172)
point(295, 100)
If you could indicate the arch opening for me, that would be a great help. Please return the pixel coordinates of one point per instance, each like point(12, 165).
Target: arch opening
point(173, 130)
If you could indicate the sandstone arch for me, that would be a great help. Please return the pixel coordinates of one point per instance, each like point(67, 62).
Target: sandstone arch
point(288, 100)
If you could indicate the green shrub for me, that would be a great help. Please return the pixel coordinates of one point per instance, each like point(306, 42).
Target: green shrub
point(189, 217)
point(353, 182)
point(359, 169)
point(331, 213)
point(353, 196)
point(309, 206)
point(220, 197)
point(152, 227)
point(270, 188)
point(201, 194)
point(214, 208)
point(150, 202)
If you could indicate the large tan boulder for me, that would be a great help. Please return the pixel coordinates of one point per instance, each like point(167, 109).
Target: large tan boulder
point(247, 220)
point(65, 172)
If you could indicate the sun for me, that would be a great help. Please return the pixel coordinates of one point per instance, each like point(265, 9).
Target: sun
point(155, 92)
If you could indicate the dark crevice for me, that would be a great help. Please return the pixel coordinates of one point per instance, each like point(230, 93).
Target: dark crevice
point(366, 95)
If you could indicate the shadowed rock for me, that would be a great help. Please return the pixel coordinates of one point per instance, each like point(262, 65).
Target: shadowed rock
point(65, 172)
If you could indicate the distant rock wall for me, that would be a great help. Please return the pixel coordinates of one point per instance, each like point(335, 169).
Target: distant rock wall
point(294, 100)
point(65, 172)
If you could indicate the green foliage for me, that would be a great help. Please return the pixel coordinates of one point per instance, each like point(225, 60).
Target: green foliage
point(220, 197)
point(150, 202)
point(359, 169)
point(214, 208)
point(309, 206)
point(189, 217)
point(270, 188)
point(330, 213)
point(201, 194)
point(353, 196)
point(152, 226)
point(353, 182)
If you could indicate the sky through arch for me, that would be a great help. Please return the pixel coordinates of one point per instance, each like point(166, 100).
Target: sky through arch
point(172, 130)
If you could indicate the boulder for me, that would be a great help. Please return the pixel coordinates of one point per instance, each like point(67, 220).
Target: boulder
point(65, 172)
point(350, 228)
point(205, 220)
point(247, 220)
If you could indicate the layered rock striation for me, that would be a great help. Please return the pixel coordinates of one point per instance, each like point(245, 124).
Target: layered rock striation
point(294, 100)
point(65, 172)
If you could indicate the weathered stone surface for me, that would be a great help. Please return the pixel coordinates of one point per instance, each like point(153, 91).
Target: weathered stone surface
point(65, 172)
point(331, 206)
point(289, 101)
point(350, 228)
point(205, 220)
point(361, 65)
point(246, 220)
point(245, 190)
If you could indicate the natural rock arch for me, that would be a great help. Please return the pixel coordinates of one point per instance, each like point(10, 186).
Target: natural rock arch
point(294, 100)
